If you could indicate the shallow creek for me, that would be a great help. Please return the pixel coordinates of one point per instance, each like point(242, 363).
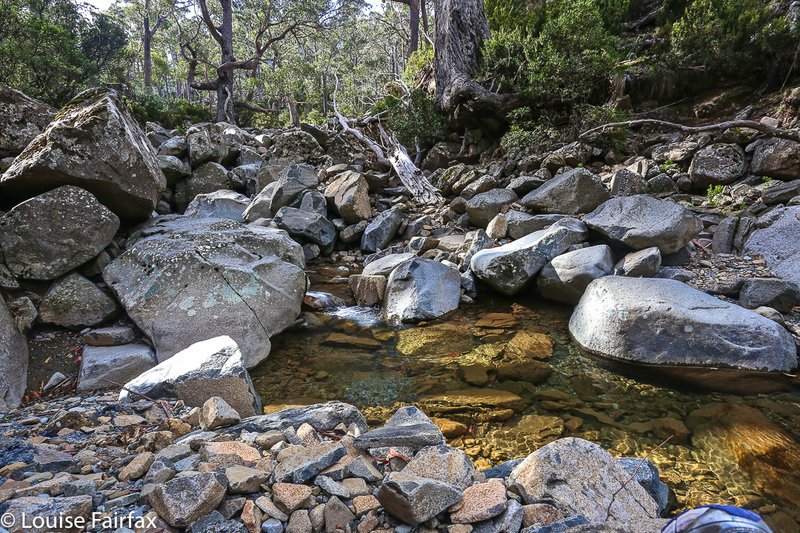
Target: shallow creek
point(502, 378)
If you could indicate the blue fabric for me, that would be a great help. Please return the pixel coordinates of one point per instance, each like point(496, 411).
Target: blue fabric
point(735, 511)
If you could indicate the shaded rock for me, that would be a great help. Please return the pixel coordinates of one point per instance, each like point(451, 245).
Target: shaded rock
point(777, 158)
point(584, 479)
point(780, 193)
point(386, 264)
point(443, 463)
point(78, 228)
point(566, 277)
point(323, 416)
point(314, 202)
point(415, 499)
point(206, 369)
point(118, 364)
point(408, 426)
point(573, 192)
point(70, 510)
point(293, 180)
point(184, 280)
point(14, 361)
point(510, 267)
point(218, 204)
point(662, 321)
point(626, 183)
point(421, 289)
point(367, 290)
point(76, 301)
point(108, 156)
point(306, 227)
point(520, 224)
point(481, 502)
point(778, 244)
point(337, 516)
point(380, 232)
point(214, 521)
point(348, 194)
point(21, 119)
point(184, 499)
point(485, 206)
point(646, 474)
point(717, 164)
point(775, 293)
point(110, 336)
point(643, 263)
point(173, 168)
point(206, 179)
point(245, 480)
point(204, 142)
point(642, 221)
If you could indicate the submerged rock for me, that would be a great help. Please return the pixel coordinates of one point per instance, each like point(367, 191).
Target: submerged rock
point(185, 280)
point(666, 322)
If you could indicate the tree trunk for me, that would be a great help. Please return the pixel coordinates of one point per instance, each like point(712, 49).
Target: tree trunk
point(293, 113)
point(413, 40)
point(148, 61)
point(225, 107)
point(461, 30)
point(424, 10)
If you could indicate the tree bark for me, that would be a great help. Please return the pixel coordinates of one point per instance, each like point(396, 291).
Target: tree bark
point(413, 40)
point(148, 61)
point(461, 30)
point(293, 112)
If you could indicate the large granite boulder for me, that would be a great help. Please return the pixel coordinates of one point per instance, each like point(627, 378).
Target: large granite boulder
point(510, 267)
point(485, 206)
point(206, 369)
point(666, 322)
point(218, 204)
point(717, 164)
point(573, 192)
point(21, 119)
point(565, 278)
point(777, 158)
point(583, 479)
point(13, 360)
point(50, 234)
point(204, 142)
point(778, 244)
point(421, 289)
point(93, 143)
point(183, 280)
point(207, 178)
point(104, 367)
point(642, 221)
point(348, 194)
point(380, 232)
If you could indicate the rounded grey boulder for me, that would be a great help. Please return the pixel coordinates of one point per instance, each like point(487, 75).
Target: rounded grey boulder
point(666, 322)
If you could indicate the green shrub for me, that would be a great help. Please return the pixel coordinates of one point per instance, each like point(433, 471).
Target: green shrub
point(732, 37)
point(714, 194)
point(170, 113)
point(413, 119)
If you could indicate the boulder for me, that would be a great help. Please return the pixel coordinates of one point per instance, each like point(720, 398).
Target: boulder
point(295, 146)
point(108, 156)
point(583, 479)
point(642, 221)
point(13, 360)
point(485, 206)
point(47, 236)
point(183, 280)
point(204, 370)
point(519, 224)
point(642, 263)
point(21, 119)
point(573, 192)
point(217, 413)
point(443, 463)
point(293, 180)
point(510, 267)
point(173, 168)
point(778, 244)
point(314, 202)
point(75, 301)
point(565, 278)
point(777, 158)
point(218, 204)
point(665, 322)
point(306, 227)
point(717, 164)
point(383, 266)
point(626, 183)
point(207, 178)
point(348, 194)
point(204, 142)
point(415, 499)
point(185, 499)
point(775, 293)
point(117, 364)
point(380, 232)
point(780, 192)
point(407, 427)
point(421, 289)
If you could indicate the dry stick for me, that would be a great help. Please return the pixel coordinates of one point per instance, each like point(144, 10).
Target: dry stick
point(633, 475)
point(752, 124)
point(162, 403)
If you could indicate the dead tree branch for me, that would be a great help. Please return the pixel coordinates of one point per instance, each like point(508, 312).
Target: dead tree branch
point(751, 124)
